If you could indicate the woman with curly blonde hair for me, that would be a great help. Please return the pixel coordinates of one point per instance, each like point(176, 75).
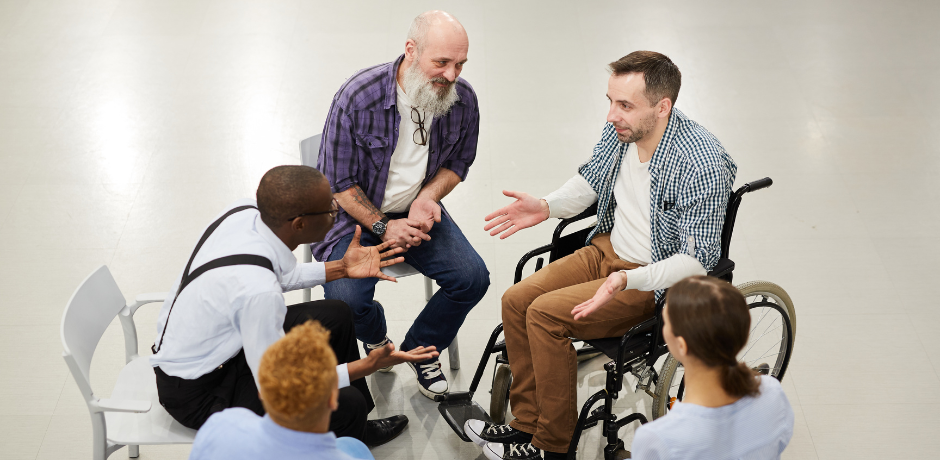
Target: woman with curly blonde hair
point(298, 387)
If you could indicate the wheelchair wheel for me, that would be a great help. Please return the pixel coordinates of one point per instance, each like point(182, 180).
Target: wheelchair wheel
point(769, 344)
point(499, 400)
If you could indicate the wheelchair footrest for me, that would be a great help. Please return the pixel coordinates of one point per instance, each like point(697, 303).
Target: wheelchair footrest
point(457, 408)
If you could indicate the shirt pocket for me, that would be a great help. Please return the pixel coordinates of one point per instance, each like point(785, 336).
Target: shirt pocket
point(667, 222)
point(373, 147)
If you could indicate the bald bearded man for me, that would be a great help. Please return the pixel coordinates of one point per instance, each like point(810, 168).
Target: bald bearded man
point(228, 307)
point(398, 138)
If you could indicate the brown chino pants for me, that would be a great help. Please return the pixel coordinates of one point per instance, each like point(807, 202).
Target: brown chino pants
point(537, 321)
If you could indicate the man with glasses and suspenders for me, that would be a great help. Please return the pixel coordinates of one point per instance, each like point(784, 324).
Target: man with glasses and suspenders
point(228, 306)
point(398, 138)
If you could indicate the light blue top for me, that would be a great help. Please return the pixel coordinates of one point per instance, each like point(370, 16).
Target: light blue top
point(752, 428)
point(239, 433)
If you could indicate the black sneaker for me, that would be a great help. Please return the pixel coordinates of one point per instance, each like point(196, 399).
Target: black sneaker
point(481, 433)
point(431, 380)
point(368, 347)
point(512, 451)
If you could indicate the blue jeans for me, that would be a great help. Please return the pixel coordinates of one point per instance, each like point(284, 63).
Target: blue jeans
point(448, 259)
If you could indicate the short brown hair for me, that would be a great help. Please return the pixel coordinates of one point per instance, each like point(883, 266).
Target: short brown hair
point(661, 76)
point(713, 318)
point(298, 372)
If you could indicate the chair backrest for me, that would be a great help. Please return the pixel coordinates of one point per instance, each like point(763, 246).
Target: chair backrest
point(88, 313)
point(310, 150)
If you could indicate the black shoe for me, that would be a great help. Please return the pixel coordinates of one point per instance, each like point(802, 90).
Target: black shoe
point(381, 431)
point(431, 380)
point(481, 433)
point(512, 451)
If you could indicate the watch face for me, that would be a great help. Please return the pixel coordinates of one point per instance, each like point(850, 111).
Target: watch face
point(378, 228)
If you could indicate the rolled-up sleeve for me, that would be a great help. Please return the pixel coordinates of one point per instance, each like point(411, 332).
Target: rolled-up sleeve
point(700, 224)
point(467, 148)
point(337, 160)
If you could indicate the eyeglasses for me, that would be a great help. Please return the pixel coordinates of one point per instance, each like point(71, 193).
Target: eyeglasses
point(419, 133)
point(332, 212)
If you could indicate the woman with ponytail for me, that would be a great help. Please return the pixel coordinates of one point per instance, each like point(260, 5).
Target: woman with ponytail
point(728, 411)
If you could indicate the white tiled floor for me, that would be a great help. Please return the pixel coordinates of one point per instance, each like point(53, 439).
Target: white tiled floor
point(125, 125)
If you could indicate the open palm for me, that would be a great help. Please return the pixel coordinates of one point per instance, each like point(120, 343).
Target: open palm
point(367, 261)
point(525, 212)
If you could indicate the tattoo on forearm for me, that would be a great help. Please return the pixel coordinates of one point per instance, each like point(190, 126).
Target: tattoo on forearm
point(362, 200)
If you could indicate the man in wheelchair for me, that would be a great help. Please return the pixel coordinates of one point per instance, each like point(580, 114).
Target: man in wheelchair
point(661, 183)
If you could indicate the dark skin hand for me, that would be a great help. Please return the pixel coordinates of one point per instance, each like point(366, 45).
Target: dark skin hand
point(364, 261)
point(388, 356)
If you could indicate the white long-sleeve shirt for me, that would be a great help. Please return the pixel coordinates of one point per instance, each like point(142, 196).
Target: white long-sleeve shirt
point(228, 309)
point(630, 236)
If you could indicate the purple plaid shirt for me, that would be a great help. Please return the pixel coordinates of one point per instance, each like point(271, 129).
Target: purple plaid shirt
point(361, 133)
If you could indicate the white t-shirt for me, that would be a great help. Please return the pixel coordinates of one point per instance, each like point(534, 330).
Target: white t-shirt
point(631, 235)
point(755, 428)
point(409, 163)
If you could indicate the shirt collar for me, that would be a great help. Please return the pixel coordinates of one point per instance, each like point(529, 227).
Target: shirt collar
point(671, 129)
point(285, 258)
point(301, 439)
point(391, 92)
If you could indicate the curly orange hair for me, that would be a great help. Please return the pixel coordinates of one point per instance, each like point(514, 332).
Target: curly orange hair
point(298, 372)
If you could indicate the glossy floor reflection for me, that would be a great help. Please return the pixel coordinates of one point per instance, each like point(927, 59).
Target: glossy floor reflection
point(125, 125)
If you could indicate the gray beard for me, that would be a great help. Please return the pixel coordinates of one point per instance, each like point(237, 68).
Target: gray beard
point(435, 102)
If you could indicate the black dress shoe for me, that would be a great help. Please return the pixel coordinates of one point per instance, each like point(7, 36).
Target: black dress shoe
point(381, 431)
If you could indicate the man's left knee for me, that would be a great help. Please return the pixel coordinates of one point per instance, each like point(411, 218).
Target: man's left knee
point(472, 281)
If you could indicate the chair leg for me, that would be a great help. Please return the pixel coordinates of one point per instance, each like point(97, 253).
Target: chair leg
point(133, 451)
point(308, 257)
point(453, 352)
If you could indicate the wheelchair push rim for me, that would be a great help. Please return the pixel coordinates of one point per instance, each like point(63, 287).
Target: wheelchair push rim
point(768, 350)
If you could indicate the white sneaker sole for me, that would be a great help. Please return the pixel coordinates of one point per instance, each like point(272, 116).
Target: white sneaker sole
point(489, 450)
point(473, 435)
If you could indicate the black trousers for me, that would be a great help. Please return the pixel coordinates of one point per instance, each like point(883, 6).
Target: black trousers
point(192, 402)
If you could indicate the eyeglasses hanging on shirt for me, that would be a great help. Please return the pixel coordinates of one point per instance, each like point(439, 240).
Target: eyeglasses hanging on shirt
point(420, 135)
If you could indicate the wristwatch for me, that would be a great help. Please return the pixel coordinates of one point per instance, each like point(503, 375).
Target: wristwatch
point(379, 227)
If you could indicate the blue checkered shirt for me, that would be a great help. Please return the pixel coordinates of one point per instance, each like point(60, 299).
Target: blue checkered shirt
point(691, 176)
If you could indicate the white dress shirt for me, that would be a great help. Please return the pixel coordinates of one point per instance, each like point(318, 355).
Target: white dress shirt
point(228, 309)
point(409, 163)
point(630, 236)
point(752, 428)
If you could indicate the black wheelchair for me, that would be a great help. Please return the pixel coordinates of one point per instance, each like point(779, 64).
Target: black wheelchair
point(768, 351)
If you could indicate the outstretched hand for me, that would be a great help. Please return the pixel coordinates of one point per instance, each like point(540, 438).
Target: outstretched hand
point(367, 261)
point(525, 212)
point(388, 356)
point(614, 284)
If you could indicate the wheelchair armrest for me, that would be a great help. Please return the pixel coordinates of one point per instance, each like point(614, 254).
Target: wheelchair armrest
point(591, 211)
point(527, 257)
point(723, 269)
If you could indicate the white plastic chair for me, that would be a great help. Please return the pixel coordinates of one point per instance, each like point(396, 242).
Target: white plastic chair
point(132, 416)
point(309, 153)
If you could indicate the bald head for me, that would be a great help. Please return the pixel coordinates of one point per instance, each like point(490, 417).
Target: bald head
point(436, 25)
point(288, 191)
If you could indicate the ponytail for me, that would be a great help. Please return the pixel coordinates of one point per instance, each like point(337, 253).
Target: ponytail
point(713, 318)
point(738, 380)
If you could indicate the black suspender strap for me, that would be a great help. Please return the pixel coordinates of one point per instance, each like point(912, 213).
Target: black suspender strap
point(227, 261)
